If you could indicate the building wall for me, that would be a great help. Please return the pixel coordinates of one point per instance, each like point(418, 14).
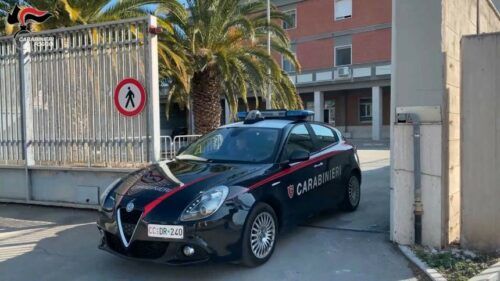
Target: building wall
point(315, 54)
point(459, 18)
point(371, 46)
point(347, 110)
point(417, 80)
point(314, 39)
point(480, 179)
point(316, 32)
point(430, 76)
point(317, 16)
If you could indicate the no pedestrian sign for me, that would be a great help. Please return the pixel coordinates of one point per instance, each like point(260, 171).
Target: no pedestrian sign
point(130, 97)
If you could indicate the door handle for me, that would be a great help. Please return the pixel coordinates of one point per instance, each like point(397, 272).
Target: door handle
point(318, 165)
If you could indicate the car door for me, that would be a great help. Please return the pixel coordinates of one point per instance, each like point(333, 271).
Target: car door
point(326, 142)
point(298, 182)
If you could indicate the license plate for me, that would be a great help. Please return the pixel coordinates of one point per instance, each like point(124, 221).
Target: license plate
point(166, 231)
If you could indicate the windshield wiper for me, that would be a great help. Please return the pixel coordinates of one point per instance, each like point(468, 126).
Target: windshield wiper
point(190, 157)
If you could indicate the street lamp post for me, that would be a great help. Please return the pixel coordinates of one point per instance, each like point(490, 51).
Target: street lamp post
point(269, 97)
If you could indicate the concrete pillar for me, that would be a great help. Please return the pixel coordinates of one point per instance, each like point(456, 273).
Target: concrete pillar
point(26, 101)
point(227, 112)
point(153, 94)
point(319, 106)
point(376, 113)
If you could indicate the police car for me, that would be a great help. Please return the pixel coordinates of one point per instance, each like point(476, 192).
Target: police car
point(228, 195)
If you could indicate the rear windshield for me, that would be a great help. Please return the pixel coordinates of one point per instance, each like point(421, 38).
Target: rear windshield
point(234, 144)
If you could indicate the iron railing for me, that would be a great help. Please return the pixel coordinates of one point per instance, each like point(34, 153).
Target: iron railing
point(11, 142)
point(170, 146)
point(70, 115)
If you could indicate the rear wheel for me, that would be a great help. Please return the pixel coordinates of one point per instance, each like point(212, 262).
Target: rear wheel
point(352, 194)
point(259, 237)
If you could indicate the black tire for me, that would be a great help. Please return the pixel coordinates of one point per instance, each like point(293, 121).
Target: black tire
point(249, 258)
point(351, 201)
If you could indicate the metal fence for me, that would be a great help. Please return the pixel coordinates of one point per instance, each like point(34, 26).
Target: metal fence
point(170, 146)
point(11, 147)
point(70, 114)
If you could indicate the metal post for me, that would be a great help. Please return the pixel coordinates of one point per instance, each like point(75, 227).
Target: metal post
point(154, 93)
point(26, 110)
point(418, 208)
point(376, 113)
point(412, 118)
point(269, 96)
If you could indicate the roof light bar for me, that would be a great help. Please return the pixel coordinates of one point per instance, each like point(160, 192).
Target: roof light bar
point(256, 115)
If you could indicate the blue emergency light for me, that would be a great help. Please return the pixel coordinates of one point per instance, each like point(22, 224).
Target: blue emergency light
point(257, 115)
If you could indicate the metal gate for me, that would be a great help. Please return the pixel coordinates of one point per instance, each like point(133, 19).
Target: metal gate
point(11, 151)
point(61, 84)
point(62, 141)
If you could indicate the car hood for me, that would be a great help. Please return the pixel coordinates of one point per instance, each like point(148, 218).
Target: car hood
point(167, 178)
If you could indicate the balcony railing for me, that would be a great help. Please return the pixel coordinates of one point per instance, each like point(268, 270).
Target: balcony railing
point(350, 73)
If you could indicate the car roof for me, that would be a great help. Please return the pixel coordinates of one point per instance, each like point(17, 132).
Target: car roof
point(269, 123)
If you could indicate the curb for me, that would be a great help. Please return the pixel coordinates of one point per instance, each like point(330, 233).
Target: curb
point(430, 272)
point(492, 273)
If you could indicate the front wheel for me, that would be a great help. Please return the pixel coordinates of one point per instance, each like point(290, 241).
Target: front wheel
point(259, 237)
point(352, 194)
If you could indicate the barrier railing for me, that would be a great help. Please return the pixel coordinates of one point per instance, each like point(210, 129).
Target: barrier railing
point(170, 146)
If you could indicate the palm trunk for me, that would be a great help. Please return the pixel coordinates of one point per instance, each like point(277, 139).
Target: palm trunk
point(205, 92)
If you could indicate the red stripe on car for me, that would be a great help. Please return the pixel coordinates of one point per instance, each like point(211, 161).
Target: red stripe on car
point(149, 207)
point(293, 169)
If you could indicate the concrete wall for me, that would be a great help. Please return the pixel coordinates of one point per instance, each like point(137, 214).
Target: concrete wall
point(426, 72)
point(417, 80)
point(459, 18)
point(71, 187)
point(480, 142)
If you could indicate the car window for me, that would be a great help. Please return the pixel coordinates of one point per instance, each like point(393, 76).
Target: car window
point(299, 139)
point(324, 135)
point(235, 144)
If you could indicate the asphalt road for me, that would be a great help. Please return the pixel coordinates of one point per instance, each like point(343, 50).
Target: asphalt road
point(43, 243)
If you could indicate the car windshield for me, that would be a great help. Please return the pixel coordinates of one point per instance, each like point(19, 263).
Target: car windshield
point(235, 144)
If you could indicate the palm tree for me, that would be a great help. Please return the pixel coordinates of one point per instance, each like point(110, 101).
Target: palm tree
point(85, 11)
point(224, 44)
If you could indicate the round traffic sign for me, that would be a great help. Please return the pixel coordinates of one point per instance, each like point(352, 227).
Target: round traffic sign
point(130, 97)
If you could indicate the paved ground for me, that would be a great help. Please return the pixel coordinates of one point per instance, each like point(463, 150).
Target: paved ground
point(41, 243)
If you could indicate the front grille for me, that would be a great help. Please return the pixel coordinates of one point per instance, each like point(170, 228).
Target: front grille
point(148, 249)
point(138, 249)
point(128, 230)
point(130, 217)
point(128, 221)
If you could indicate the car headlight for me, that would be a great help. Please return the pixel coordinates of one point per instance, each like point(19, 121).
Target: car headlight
point(107, 198)
point(205, 204)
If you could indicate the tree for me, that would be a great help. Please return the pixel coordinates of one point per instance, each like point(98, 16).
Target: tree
point(224, 46)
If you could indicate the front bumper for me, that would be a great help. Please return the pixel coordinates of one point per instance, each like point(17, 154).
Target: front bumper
point(217, 238)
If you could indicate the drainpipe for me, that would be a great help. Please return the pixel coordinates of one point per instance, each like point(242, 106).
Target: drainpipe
point(411, 118)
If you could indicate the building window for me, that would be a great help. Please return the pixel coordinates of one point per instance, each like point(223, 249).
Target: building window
point(291, 21)
point(343, 9)
point(309, 105)
point(365, 110)
point(343, 55)
point(287, 64)
point(329, 112)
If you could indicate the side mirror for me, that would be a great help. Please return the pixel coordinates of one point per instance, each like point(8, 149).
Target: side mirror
point(298, 156)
